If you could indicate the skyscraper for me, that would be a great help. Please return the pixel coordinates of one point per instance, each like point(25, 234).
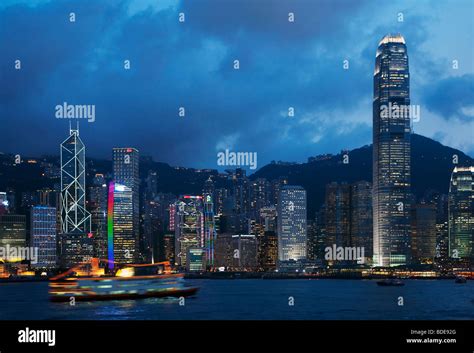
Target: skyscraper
point(97, 205)
point(361, 217)
point(126, 173)
point(43, 235)
point(391, 153)
point(423, 233)
point(74, 216)
point(122, 242)
point(189, 226)
point(461, 213)
point(75, 240)
point(291, 223)
point(338, 214)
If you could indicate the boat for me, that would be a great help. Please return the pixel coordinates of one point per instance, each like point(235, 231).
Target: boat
point(460, 279)
point(394, 282)
point(132, 281)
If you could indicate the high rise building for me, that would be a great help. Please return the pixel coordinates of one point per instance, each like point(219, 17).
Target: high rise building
point(75, 240)
point(209, 229)
point(74, 216)
point(391, 153)
point(126, 174)
point(361, 217)
point(291, 211)
point(121, 239)
point(12, 230)
point(97, 206)
point(338, 214)
point(423, 233)
point(461, 213)
point(43, 235)
point(189, 226)
point(260, 190)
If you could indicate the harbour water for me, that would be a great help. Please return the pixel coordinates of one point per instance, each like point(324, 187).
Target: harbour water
point(257, 299)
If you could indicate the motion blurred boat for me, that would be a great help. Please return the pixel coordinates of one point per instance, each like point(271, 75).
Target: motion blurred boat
point(391, 282)
point(460, 279)
point(128, 282)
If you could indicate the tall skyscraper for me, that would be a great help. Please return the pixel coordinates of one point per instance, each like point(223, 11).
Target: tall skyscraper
point(361, 217)
point(391, 153)
point(75, 241)
point(461, 213)
point(97, 205)
point(189, 226)
point(122, 242)
point(43, 235)
point(338, 214)
point(126, 173)
point(74, 216)
point(209, 229)
point(291, 223)
point(423, 233)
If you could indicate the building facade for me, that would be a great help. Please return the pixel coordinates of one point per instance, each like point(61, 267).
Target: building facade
point(391, 153)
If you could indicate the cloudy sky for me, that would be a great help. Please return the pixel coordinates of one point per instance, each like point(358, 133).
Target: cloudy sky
point(190, 64)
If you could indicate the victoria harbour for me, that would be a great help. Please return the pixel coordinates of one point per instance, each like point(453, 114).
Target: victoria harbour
point(255, 299)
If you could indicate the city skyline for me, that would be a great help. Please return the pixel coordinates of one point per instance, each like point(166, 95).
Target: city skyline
point(325, 119)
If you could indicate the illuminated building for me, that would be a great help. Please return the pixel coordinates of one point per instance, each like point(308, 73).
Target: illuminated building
point(423, 233)
point(196, 259)
point(74, 216)
point(268, 251)
point(238, 252)
point(209, 229)
point(43, 235)
point(189, 226)
point(361, 217)
point(75, 240)
point(126, 173)
point(97, 205)
point(391, 154)
point(461, 213)
point(169, 250)
point(122, 241)
point(291, 223)
point(12, 230)
point(338, 214)
point(259, 195)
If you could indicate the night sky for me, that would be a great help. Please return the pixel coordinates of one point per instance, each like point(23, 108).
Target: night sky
point(191, 65)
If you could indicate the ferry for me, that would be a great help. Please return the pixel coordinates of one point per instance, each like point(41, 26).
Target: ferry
point(131, 281)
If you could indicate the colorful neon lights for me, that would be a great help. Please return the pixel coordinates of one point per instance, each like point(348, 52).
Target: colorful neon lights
point(110, 225)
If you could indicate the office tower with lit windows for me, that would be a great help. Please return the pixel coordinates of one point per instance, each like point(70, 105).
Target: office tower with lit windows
point(74, 216)
point(75, 240)
point(361, 217)
point(423, 233)
point(121, 239)
point(43, 235)
point(259, 196)
point(12, 230)
point(188, 225)
point(391, 153)
point(126, 175)
point(97, 206)
point(291, 222)
point(209, 229)
point(338, 214)
point(461, 213)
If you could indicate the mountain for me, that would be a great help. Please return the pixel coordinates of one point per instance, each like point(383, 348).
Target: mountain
point(432, 164)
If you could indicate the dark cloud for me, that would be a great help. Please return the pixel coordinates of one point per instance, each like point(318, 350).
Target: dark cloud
point(191, 65)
